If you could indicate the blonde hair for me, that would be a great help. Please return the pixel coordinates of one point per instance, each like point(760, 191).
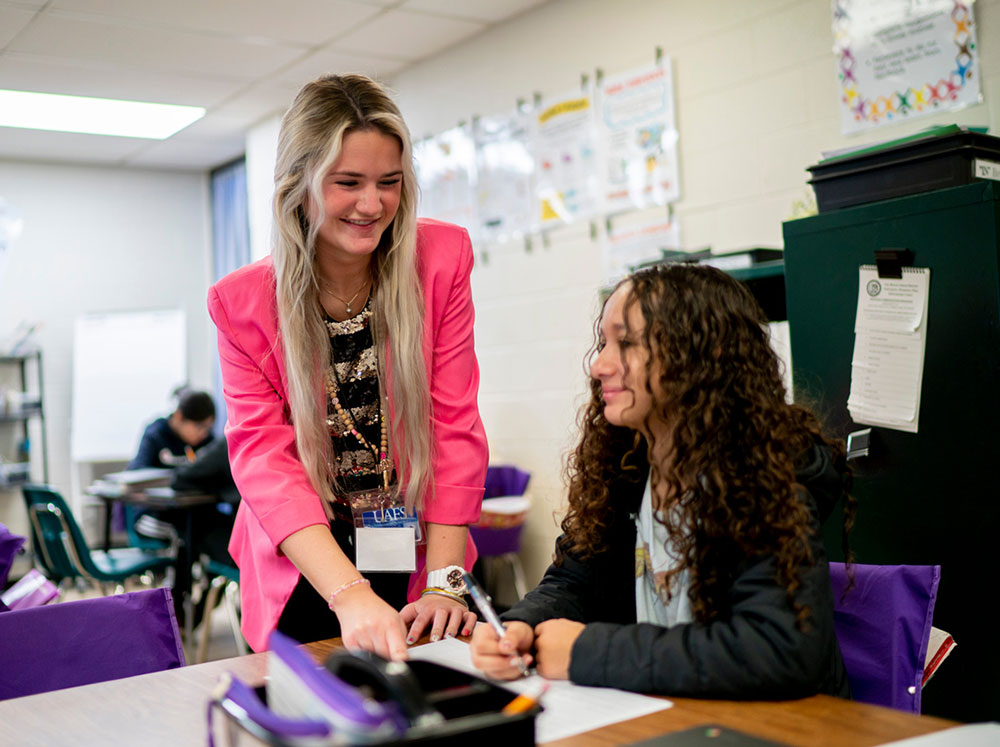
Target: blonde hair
point(312, 133)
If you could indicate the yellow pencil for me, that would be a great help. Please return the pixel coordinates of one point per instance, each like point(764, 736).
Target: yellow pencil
point(526, 701)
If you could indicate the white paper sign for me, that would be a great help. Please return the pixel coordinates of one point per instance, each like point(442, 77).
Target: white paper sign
point(889, 339)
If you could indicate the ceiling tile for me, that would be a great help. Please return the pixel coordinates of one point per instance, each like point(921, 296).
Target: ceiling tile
point(68, 37)
point(188, 153)
point(38, 145)
point(258, 102)
point(12, 20)
point(409, 36)
point(331, 60)
point(307, 22)
point(481, 10)
point(35, 73)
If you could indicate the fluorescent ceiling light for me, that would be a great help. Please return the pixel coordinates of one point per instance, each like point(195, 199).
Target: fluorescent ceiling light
point(50, 111)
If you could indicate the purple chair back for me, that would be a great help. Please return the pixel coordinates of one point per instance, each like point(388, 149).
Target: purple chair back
point(882, 627)
point(505, 480)
point(501, 480)
point(10, 546)
point(92, 640)
point(494, 541)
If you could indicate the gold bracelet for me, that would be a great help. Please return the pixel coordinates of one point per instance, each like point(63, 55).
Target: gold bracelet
point(345, 587)
point(445, 593)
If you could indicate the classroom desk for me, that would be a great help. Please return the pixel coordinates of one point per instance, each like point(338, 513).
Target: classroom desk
point(163, 498)
point(160, 499)
point(168, 708)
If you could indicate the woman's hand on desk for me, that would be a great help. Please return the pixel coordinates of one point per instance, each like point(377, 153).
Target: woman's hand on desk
point(495, 657)
point(444, 616)
point(554, 641)
point(369, 623)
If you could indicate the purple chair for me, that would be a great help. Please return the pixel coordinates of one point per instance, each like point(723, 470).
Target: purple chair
point(498, 535)
point(882, 625)
point(10, 546)
point(92, 640)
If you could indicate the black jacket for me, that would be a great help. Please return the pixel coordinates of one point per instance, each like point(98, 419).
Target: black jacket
point(757, 652)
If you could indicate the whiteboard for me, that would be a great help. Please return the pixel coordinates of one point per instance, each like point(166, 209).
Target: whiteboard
point(125, 367)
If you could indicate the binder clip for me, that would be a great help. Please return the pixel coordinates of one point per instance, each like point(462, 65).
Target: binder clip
point(890, 262)
point(859, 443)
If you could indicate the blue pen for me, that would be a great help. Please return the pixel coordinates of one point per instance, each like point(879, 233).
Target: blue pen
point(482, 600)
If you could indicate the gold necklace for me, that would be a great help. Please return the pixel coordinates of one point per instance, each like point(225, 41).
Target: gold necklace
point(347, 304)
point(381, 453)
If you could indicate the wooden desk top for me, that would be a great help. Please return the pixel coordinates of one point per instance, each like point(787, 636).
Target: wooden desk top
point(168, 708)
point(161, 497)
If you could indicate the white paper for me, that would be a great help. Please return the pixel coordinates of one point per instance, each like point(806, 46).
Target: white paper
point(569, 709)
point(889, 340)
point(565, 145)
point(902, 59)
point(639, 128)
point(970, 735)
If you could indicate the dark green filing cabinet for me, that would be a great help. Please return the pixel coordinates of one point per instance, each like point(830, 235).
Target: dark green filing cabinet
point(931, 497)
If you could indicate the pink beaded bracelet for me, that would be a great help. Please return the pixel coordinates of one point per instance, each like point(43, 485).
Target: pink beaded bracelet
point(345, 587)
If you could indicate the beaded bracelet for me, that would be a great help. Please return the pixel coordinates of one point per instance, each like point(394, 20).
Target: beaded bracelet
point(345, 587)
point(445, 593)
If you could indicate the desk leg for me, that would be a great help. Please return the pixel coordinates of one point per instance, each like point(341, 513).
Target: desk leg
point(185, 583)
point(108, 506)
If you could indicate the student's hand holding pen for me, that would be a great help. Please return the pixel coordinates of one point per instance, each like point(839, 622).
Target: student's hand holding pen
point(497, 657)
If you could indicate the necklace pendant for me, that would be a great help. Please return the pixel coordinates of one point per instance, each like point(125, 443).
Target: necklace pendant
point(348, 308)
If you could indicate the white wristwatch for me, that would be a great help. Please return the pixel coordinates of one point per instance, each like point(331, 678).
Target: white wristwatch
point(448, 578)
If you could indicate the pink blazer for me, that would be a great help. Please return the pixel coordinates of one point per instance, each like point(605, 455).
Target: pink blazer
point(278, 499)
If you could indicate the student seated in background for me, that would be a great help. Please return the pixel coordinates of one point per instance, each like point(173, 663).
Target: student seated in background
point(184, 440)
point(174, 439)
point(691, 562)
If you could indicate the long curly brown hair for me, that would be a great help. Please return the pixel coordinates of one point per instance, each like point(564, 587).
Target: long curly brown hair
point(727, 466)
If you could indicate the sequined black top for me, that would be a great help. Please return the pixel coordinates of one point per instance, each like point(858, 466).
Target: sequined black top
point(354, 364)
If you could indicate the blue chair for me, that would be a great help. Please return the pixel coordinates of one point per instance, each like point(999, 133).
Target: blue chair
point(91, 640)
point(63, 553)
point(228, 576)
point(882, 625)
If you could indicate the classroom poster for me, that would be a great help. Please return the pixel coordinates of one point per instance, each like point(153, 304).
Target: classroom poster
point(634, 242)
point(902, 59)
point(639, 129)
point(565, 142)
point(505, 169)
point(446, 172)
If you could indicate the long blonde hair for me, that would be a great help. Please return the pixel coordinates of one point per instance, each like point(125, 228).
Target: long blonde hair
point(312, 133)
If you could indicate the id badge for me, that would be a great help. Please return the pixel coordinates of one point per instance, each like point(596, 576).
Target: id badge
point(385, 534)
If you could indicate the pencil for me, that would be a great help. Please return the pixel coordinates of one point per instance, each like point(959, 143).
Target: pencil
point(526, 701)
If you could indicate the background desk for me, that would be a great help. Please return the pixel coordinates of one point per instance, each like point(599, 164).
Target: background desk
point(165, 499)
point(168, 708)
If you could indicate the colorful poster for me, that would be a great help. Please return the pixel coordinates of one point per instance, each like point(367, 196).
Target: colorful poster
point(637, 242)
point(902, 59)
point(505, 170)
point(446, 172)
point(565, 141)
point(639, 129)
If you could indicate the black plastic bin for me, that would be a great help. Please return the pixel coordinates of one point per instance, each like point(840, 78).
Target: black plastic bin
point(921, 164)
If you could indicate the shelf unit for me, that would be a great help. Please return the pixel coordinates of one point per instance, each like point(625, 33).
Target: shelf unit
point(26, 380)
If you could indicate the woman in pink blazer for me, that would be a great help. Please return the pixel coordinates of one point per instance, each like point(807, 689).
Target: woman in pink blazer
point(349, 371)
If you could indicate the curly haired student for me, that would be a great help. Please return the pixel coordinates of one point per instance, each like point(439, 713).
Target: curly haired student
point(691, 561)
